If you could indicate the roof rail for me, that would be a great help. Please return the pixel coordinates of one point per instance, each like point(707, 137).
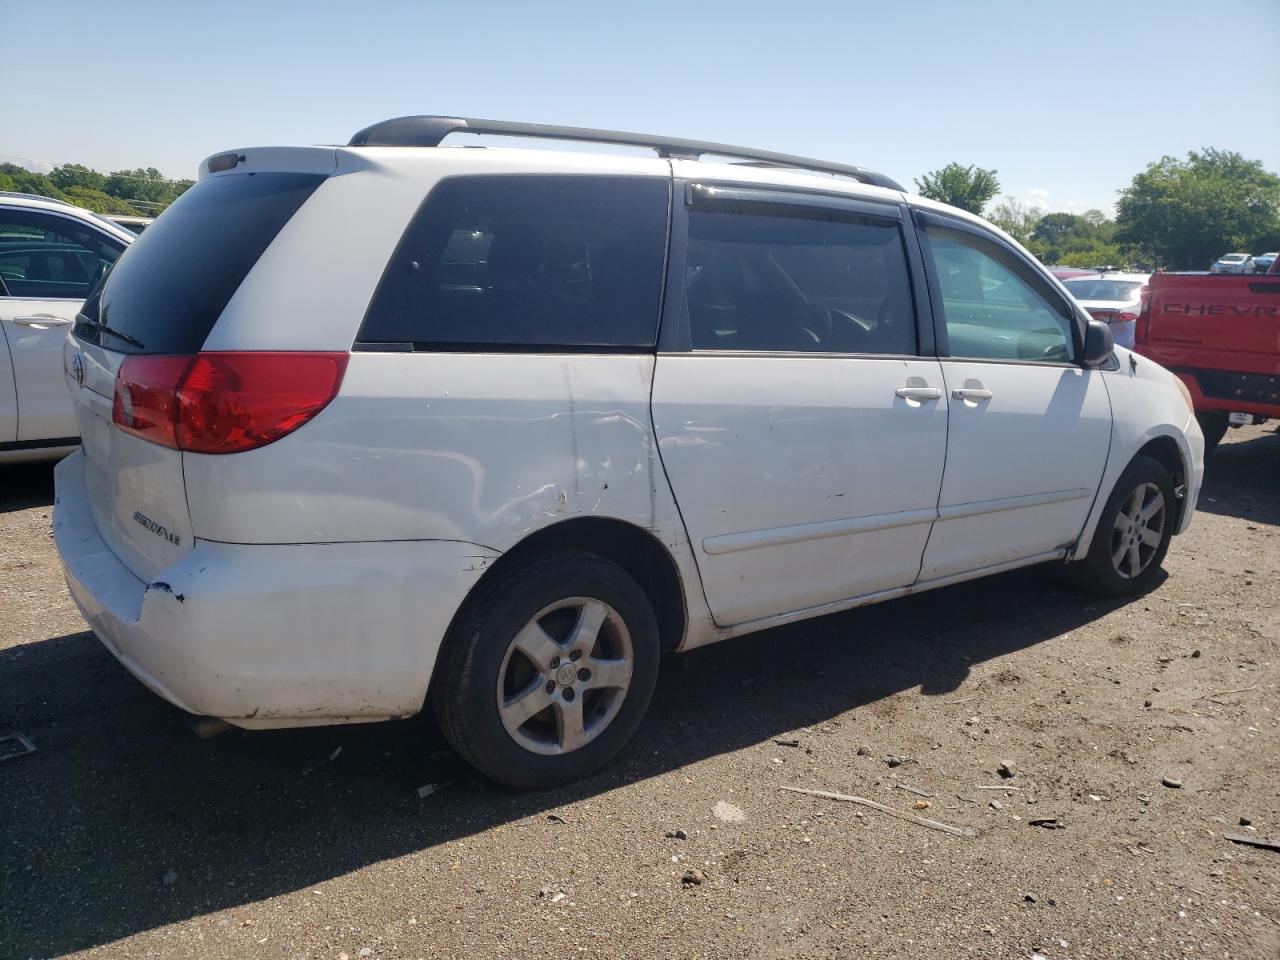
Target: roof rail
point(18, 194)
point(428, 131)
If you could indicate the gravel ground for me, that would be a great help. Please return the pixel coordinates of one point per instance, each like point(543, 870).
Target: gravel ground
point(125, 835)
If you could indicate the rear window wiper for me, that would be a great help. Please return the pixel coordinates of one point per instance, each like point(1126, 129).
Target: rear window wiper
point(118, 334)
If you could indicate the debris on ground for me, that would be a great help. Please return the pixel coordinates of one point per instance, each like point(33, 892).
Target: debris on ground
point(693, 878)
point(677, 835)
point(895, 761)
point(916, 790)
point(1049, 823)
point(170, 877)
point(996, 805)
point(1248, 841)
point(15, 745)
point(910, 818)
point(864, 751)
point(1007, 769)
point(555, 818)
point(728, 812)
point(1172, 783)
point(787, 743)
point(426, 790)
point(921, 805)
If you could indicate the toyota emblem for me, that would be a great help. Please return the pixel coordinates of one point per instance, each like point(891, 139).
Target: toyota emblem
point(77, 369)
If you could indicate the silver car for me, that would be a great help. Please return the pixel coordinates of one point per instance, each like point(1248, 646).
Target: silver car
point(1233, 263)
point(1114, 298)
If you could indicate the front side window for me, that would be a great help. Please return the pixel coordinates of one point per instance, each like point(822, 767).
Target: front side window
point(995, 307)
point(46, 257)
point(812, 282)
point(527, 262)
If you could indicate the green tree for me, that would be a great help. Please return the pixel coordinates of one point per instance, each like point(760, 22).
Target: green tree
point(76, 175)
point(968, 188)
point(1186, 213)
point(1015, 218)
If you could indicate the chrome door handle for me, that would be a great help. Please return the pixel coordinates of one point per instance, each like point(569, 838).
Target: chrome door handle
point(919, 393)
point(971, 393)
point(41, 321)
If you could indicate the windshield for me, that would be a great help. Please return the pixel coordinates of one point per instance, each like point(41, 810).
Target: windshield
point(1119, 290)
point(1235, 257)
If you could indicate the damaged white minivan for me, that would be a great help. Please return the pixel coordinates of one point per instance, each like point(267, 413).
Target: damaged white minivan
point(372, 426)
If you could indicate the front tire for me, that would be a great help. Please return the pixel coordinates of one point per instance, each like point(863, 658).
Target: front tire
point(1133, 533)
point(549, 669)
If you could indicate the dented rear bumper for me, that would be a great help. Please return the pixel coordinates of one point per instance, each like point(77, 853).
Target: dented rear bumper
point(271, 635)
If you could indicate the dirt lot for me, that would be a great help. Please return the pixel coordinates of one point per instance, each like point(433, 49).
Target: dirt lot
point(126, 836)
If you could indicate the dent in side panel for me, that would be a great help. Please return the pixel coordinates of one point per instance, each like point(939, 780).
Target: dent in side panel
point(484, 448)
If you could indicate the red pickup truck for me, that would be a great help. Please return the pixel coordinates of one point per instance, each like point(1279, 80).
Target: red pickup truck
point(1221, 334)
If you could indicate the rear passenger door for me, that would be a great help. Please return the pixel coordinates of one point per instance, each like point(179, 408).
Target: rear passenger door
point(1030, 426)
point(801, 427)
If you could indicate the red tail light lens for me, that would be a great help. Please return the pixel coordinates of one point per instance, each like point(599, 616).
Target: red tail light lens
point(225, 402)
point(146, 399)
point(1144, 315)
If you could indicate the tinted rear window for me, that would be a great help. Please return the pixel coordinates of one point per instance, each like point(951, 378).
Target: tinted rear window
point(527, 262)
point(167, 292)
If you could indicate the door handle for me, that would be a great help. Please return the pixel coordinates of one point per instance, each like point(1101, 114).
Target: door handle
point(40, 320)
point(919, 393)
point(972, 393)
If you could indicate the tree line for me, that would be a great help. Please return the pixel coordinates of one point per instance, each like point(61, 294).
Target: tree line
point(140, 193)
point(1177, 214)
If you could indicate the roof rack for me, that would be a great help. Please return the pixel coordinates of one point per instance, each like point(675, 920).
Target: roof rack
point(18, 194)
point(428, 131)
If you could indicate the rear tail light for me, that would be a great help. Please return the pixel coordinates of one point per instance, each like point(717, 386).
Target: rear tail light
point(1144, 315)
point(223, 402)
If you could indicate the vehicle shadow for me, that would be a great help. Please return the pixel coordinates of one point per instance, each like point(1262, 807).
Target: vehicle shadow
point(1242, 479)
point(120, 791)
point(26, 485)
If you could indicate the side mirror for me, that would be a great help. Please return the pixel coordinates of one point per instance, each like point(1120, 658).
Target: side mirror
point(1099, 343)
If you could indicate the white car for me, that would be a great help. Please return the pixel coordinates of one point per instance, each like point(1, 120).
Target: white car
point(51, 254)
point(1114, 298)
point(1232, 263)
point(535, 415)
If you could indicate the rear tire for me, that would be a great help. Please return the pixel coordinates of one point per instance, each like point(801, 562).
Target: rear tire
point(1133, 533)
point(1213, 425)
point(549, 669)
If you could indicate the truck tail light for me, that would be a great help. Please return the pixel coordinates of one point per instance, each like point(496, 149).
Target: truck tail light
point(224, 402)
point(1144, 315)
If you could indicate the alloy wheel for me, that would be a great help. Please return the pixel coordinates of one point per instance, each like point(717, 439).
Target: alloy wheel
point(565, 676)
point(1138, 531)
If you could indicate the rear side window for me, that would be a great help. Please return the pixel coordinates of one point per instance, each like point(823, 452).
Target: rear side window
point(167, 292)
point(47, 257)
point(818, 282)
point(527, 262)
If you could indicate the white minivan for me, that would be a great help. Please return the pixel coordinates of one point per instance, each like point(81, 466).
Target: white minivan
point(370, 426)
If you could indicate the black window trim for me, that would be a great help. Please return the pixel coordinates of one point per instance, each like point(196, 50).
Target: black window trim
point(928, 218)
point(368, 345)
point(37, 211)
point(674, 336)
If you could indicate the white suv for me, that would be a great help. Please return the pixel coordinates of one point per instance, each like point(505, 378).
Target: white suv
point(51, 254)
point(372, 425)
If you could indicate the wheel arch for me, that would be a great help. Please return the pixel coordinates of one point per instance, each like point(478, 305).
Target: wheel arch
point(1164, 450)
point(637, 550)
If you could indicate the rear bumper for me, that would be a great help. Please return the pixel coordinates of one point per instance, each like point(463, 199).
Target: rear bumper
point(271, 635)
point(1205, 401)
